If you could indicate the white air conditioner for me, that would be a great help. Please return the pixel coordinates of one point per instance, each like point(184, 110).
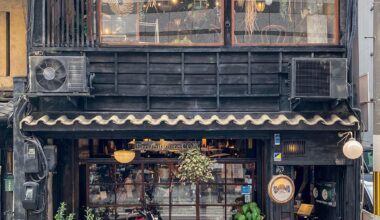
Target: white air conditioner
point(58, 75)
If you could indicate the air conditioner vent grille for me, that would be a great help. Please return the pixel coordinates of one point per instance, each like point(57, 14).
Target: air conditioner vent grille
point(313, 78)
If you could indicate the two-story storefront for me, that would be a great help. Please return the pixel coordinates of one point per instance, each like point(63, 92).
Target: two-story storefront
point(265, 88)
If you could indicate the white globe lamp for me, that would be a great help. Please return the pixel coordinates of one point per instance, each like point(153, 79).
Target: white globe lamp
point(268, 2)
point(352, 149)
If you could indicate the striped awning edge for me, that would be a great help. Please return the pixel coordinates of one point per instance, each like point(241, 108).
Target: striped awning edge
point(279, 119)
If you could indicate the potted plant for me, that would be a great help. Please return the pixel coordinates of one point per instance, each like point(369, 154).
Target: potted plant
point(249, 211)
point(195, 167)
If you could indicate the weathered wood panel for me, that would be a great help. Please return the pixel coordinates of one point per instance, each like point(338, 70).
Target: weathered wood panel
point(245, 81)
point(173, 104)
point(249, 104)
point(116, 104)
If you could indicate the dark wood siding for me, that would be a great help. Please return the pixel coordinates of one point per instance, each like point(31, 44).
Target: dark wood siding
point(192, 81)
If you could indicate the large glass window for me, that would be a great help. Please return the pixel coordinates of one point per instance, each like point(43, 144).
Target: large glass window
point(285, 22)
point(162, 22)
point(149, 182)
point(157, 183)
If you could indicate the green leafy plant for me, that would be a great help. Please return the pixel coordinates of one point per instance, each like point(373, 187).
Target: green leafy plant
point(249, 211)
point(89, 214)
point(61, 213)
point(195, 167)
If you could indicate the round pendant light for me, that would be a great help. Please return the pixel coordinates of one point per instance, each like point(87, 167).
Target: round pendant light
point(352, 149)
point(124, 156)
point(260, 6)
point(268, 2)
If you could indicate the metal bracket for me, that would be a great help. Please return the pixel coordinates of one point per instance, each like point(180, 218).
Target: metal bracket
point(294, 103)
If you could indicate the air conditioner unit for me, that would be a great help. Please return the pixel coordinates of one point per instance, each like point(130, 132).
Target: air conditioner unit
point(319, 78)
point(58, 75)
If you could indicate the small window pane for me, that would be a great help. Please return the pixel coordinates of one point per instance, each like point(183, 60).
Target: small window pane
point(212, 194)
point(101, 195)
point(183, 194)
point(101, 173)
point(162, 22)
point(183, 212)
point(127, 194)
point(237, 194)
point(283, 22)
point(127, 174)
point(211, 212)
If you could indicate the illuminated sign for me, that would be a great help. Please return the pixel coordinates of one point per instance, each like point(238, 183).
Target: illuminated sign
point(165, 145)
point(281, 189)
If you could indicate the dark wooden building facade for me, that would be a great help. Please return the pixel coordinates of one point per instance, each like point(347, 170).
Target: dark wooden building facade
point(223, 73)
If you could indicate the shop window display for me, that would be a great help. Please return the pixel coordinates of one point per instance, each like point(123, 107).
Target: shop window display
point(117, 190)
point(162, 22)
point(285, 22)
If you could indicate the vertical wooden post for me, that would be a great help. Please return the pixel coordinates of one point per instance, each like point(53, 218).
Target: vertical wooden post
point(18, 151)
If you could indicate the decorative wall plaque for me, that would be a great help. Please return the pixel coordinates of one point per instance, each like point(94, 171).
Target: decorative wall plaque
point(281, 189)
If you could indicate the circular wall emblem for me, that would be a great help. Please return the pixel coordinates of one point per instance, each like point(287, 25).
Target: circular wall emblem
point(281, 189)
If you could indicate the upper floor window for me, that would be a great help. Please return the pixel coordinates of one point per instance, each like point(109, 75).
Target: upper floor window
point(200, 22)
point(162, 22)
point(285, 22)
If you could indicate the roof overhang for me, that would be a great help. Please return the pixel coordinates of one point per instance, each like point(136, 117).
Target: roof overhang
point(210, 121)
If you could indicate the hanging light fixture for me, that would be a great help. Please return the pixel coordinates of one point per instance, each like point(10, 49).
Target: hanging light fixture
point(268, 2)
point(352, 149)
point(124, 156)
point(260, 6)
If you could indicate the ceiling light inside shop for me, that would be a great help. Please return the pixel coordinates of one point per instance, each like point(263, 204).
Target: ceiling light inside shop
point(124, 156)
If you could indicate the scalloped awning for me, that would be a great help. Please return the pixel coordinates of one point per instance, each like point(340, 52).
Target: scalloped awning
point(170, 119)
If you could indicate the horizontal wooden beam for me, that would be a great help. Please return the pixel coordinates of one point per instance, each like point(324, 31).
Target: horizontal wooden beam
point(332, 49)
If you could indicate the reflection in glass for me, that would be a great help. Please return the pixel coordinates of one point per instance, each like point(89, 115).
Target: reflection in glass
point(183, 212)
point(236, 193)
point(212, 194)
point(127, 194)
point(285, 22)
point(101, 173)
point(183, 194)
point(105, 213)
point(211, 212)
point(127, 173)
point(101, 194)
point(168, 22)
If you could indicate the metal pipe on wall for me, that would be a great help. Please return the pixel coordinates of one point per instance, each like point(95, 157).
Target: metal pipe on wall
point(376, 132)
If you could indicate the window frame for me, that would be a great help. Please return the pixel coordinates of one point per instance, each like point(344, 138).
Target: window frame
point(336, 31)
point(221, 42)
point(140, 165)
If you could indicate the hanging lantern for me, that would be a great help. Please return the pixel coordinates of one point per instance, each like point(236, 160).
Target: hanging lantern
point(124, 156)
point(352, 149)
point(268, 2)
point(260, 6)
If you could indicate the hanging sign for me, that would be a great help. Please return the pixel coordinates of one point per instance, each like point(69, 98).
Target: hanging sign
point(165, 145)
point(246, 190)
point(281, 189)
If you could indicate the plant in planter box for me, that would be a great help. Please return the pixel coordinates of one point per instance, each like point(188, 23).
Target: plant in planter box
point(195, 167)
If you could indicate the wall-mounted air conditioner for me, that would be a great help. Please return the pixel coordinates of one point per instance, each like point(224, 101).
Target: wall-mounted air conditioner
point(319, 78)
point(58, 75)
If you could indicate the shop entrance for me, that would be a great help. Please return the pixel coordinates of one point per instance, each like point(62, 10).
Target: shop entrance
point(122, 191)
